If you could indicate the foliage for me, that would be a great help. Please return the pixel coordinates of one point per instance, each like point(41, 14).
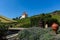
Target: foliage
point(36, 33)
point(3, 30)
point(27, 25)
point(24, 22)
point(46, 18)
point(35, 20)
point(56, 17)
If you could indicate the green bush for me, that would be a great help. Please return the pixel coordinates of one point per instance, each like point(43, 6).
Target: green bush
point(25, 25)
point(36, 33)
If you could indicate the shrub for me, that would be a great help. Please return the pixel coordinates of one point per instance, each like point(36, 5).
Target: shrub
point(36, 33)
point(25, 23)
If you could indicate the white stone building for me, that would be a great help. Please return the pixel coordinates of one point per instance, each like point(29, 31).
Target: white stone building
point(24, 15)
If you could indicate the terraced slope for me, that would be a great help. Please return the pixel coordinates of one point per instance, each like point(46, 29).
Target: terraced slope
point(6, 20)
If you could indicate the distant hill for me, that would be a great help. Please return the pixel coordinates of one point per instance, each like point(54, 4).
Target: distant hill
point(56, 14)
point(6, 20)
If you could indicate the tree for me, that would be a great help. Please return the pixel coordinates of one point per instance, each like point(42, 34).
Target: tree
point(14, 18)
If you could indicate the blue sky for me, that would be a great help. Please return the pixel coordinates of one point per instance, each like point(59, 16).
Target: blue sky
point(15, 8)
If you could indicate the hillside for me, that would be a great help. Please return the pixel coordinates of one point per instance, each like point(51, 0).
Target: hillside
point(6, 20)
point(57, 12)
point(27, 21)
point(56, 15)
point(23, 22)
